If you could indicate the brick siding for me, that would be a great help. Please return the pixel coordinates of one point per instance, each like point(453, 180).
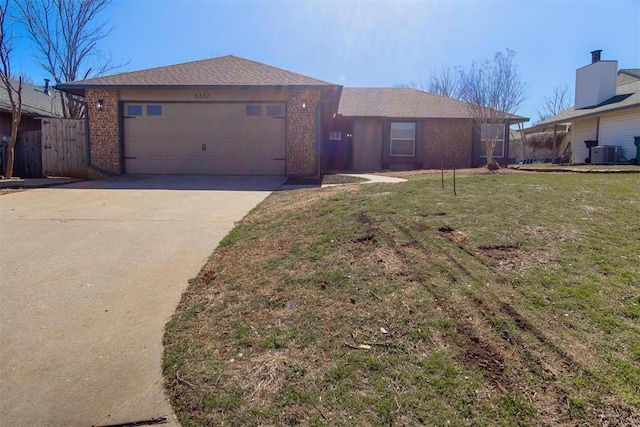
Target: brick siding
point(448, 142)
point(104, 134)
point(302, 149)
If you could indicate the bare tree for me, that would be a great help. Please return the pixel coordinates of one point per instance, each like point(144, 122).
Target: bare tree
point(66, 37)
point(554, 104)
point(442, 81)
point(445, 81)
point(493, 91)
point(13, 87)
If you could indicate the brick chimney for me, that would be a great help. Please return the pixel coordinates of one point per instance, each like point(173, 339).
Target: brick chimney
point(596, 82)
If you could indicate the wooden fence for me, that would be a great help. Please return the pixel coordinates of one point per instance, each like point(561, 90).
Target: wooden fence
point(27, 162)
point(63, 148)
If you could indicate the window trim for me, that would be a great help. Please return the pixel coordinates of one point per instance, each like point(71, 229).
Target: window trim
point(483, 142)
point(391, 139)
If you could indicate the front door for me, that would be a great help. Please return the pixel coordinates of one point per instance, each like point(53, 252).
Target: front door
point(340, 149)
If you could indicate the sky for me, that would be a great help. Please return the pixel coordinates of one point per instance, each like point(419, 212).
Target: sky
point(371, 43)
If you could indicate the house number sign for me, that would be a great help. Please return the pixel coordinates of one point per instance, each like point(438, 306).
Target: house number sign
point(201, 95)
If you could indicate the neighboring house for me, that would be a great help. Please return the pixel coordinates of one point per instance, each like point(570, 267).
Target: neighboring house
point(37, 101)
point(606, 110)
point(230, 115)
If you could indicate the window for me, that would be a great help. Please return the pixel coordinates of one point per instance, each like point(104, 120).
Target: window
point(335, 135)
point(254, 110)
point(403, 139)
point(493, 132)
point(154, 110)
point(134, 110)
point(275, 111)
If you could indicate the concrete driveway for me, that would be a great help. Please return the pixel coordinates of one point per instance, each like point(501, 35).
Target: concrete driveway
point(89, 275)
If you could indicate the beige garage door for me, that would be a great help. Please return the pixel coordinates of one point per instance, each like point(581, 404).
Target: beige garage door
point(204, 138)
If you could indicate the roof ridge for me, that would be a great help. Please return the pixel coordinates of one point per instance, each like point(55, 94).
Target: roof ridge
point(277, 68)
point(197, 63)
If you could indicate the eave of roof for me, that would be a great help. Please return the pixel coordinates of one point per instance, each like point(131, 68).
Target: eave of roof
point(81, 90)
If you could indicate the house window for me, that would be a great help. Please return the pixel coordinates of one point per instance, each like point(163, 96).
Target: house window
point(493, 132)
point(335, 135)
point(254, 110)
point(275, 110)
point(154, 110)
point(134, 110)
point(403, 139)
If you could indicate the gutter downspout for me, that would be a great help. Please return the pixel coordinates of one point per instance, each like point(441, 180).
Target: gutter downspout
point(88, 145)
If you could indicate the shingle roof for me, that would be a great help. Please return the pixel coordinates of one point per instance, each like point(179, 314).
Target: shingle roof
point(34, 101)
point(401, 103)
point(628, 75)
point(222, 71)
point(627, 96)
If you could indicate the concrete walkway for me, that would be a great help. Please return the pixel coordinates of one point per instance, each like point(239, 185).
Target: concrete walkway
point(376, 178)
point(371, 179)
point(89, 274)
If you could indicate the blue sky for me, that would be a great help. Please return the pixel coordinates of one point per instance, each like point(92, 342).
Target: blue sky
point(373, 43)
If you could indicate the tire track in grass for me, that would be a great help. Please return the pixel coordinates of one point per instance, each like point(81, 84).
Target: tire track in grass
point(478, 352)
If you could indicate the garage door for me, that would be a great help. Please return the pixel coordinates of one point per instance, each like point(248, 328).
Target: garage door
point(204, 138)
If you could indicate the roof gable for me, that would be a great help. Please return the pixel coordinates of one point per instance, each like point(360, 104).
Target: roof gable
point(222, 71)
point(402, 103)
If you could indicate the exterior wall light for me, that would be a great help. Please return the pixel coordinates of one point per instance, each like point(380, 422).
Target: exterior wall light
point(100, 104)
point(304, 105)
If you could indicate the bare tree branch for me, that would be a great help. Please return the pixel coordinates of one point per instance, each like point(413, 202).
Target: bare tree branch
point(13, 88)
point(554, 104)
point(493, 91)
point(66, 37)
point(445, 81)
point(411, 85)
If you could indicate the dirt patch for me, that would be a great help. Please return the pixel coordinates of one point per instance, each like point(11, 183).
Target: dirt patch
point(513, 258)
point(456, 236)
point(269, 375)
point(374, 230)
point(482, 355)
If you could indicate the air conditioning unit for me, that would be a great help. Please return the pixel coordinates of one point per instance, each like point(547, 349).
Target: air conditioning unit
point(604, 154)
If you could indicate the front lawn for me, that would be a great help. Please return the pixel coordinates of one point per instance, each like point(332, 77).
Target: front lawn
point(516, 302)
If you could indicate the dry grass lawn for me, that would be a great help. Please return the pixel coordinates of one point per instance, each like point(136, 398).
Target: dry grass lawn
point(516, 302)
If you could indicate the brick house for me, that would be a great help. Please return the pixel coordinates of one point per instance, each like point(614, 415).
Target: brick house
point(233, 116)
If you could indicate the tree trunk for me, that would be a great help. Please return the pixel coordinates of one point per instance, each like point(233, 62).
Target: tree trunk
point(491, 161)
point(8, 172)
